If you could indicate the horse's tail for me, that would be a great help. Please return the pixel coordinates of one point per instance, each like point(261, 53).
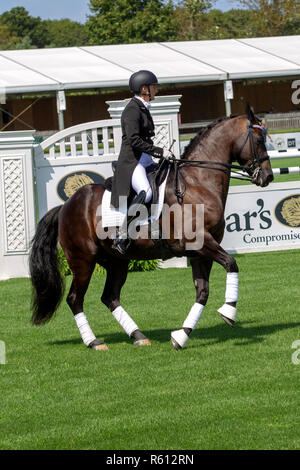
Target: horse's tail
point(47, 282)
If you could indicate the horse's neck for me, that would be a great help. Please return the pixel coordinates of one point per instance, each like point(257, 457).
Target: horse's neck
point(217, 146)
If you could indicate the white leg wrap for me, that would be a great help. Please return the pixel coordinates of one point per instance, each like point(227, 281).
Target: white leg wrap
point(180, 337)
point(228, 311)
point(193, 316)
point(125, 320)
point(232, 287)
point(85, 330)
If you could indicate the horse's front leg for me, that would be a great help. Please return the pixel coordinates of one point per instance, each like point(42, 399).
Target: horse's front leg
point(213, 250)
point(201, 270)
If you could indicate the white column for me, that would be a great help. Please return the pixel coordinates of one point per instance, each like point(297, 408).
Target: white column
point(17, 205)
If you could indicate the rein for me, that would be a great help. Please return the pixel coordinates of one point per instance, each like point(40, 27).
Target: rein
point(225, 167)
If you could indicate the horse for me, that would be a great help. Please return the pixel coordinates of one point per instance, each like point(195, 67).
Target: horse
point(199, 178)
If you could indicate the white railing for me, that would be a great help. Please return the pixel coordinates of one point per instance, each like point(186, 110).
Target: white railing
point(292, 170)
point(85, 140)
point(289, 153)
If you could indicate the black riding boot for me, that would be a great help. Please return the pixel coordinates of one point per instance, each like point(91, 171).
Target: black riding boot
point(122, 241)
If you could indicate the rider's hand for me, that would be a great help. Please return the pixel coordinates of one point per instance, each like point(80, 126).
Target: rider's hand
point(167, 154)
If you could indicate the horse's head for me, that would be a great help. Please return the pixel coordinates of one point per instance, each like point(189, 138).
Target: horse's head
point(250, 149)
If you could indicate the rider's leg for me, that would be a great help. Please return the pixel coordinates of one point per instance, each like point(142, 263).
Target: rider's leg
point(140, 184)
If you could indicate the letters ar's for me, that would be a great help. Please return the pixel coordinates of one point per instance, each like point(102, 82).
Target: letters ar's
point(238, 223)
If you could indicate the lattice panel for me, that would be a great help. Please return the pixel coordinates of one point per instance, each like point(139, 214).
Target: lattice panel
point(162, 137)
point(14, 204)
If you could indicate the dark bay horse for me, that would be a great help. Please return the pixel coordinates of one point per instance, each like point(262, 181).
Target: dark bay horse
point(200, 178)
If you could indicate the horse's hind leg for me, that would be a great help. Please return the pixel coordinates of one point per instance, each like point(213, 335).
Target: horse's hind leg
point(201, 270)
point(116, 276)
point(82, 271)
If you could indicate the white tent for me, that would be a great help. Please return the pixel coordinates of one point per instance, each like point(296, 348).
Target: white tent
point(38, 70)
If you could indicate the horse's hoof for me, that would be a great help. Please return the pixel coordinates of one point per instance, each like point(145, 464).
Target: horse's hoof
point(101, 347)
point(179, 339)
point(175, 344)
point(142, 342)
point(98, 346)
point(228, 313)
point(228, 321)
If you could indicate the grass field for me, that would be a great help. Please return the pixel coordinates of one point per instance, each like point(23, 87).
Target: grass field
point(229, 389)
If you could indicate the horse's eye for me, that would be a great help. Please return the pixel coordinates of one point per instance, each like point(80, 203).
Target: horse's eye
point(261, 141)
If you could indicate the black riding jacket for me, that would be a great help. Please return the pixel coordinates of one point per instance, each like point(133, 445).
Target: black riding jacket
point(137, 132)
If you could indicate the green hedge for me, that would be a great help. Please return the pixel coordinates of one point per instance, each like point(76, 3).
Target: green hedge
point(143, 265)
point(134, 265)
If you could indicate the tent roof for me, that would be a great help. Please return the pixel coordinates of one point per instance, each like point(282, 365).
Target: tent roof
point(38, 70)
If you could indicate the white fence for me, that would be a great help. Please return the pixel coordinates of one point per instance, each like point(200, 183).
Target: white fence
point(73, 157)
point(290, 153)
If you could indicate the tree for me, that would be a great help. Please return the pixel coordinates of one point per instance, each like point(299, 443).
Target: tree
point(21, 24)
point(192, 19)
point(7, 40)
point(66, 33)
point(274, 17)
point(25, 43)
point(230, 24)
point(129, 21)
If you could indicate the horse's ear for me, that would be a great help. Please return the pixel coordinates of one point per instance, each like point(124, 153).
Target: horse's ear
point(250, 113)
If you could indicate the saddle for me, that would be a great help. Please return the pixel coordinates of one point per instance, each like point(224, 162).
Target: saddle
point(156, 175)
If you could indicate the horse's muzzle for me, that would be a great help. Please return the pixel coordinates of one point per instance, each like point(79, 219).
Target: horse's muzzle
point(262, 177)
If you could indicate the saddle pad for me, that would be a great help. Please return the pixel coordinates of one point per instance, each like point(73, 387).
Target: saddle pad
point(112, 217)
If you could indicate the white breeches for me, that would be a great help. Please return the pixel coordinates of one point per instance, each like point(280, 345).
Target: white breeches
point(139, 180)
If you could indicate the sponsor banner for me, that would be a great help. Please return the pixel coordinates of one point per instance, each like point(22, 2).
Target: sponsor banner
point(283, 141)
point(262, 219)
point(55, 184)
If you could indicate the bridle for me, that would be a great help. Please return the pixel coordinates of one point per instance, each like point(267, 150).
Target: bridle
point(253, 169)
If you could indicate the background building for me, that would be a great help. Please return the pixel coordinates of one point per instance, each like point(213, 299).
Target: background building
point(258, 70)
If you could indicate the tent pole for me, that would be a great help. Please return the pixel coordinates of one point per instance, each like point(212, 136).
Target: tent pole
point(228, 95)
point(61, 106)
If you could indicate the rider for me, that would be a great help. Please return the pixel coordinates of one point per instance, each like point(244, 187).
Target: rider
point(136, 149)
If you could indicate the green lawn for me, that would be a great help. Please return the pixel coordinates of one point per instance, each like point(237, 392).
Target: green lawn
point(229, 389)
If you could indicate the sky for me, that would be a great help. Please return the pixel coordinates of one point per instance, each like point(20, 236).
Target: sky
point(75, 10)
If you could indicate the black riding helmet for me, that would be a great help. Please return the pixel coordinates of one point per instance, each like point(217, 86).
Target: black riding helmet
point(140, 78)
